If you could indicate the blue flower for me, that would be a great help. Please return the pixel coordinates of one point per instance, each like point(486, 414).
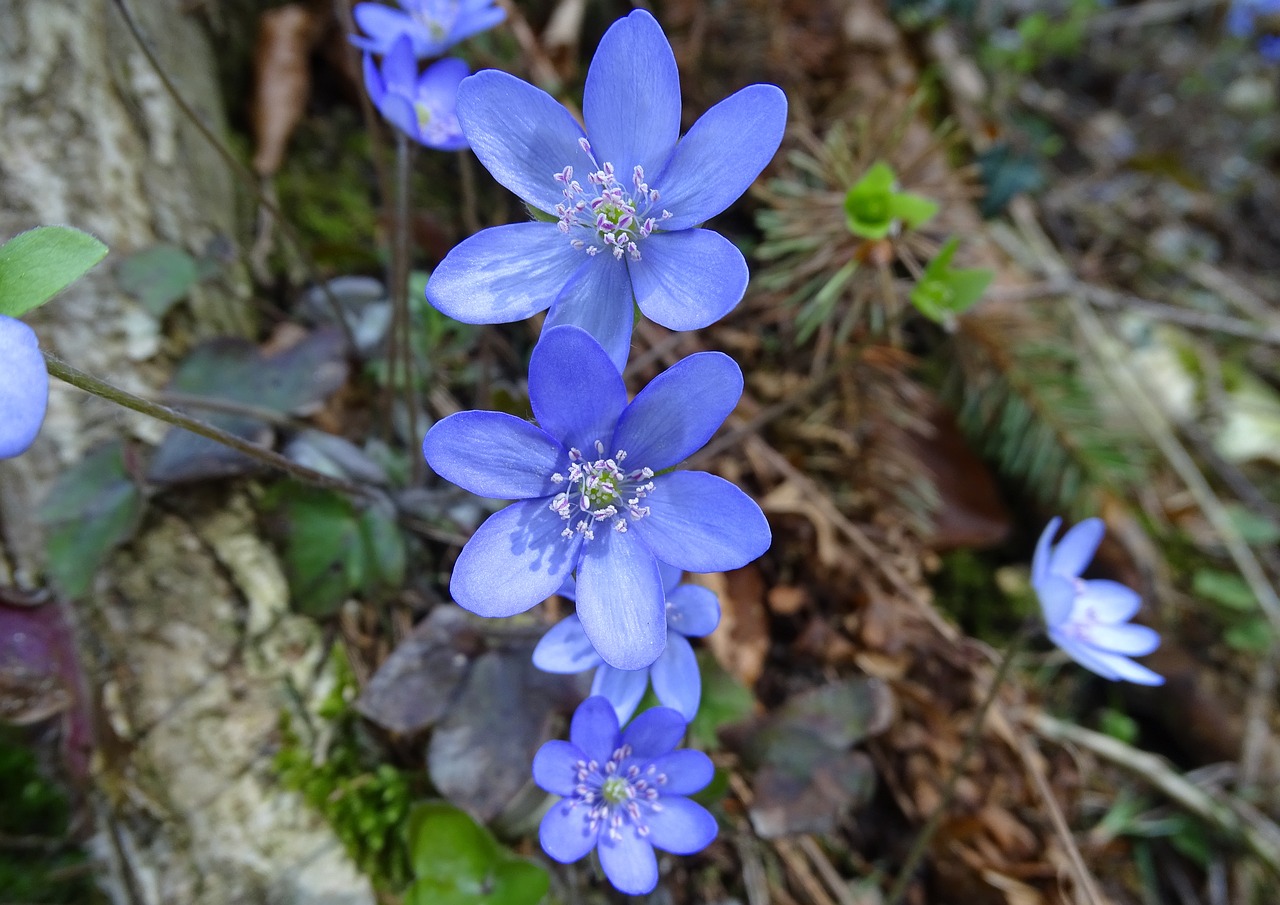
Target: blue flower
point(692, 612)
point(433, 26)
point(621, 200)
point(624, 793)
point(423, 107)
point(1243, 21)
point(1089, 619)
point(596, 492)
point(24, 391)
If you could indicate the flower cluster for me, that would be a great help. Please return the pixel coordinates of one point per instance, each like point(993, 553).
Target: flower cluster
point(24, 391)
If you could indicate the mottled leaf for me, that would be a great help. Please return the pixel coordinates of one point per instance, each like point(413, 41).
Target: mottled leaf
point(158, 276)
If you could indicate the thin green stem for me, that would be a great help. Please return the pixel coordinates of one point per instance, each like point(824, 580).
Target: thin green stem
point(921, 845)
point(400, 343)
point(241, 171)
point(90, 384)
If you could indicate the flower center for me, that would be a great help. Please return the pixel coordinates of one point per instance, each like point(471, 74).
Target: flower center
point(612, 217)
point(617, 792)
point(600, 491)
point(436, 16)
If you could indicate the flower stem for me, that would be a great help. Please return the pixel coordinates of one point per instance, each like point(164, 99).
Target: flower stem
point(77, 378)
point(400, 344)
point(921, 844)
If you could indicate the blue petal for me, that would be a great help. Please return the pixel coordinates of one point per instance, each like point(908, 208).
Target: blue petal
point(555, 767)
point(1044, 549)
point(569, 590)
point(620, 599)
point(521, 135)
point(475, 17)
point(594, 729)
point(1107, 665)
point(373, 80)
point(676, 680)
point(400, 67)
point(692, 610)
point(688, 280)
point(517, 558)
point(565, 833)
point(722, 155)
point(670, 578)
point(1057, 599)
point(679, 411)
point(623, 688)
point(382, 27)
point(1109, 601)
point(654, 733)
point(565, 649)
point(598, 299)
point(1128, 639)
point(24, 391)
point(438, 90)
point(398, 111)
point(1072, 555)
point(681, 827)
point(702, 523)
point(441, 79)
point(494, 454)
point(687, 771)
point(503, 274)
point(628, 861)
point(576, 392)
point(631, 101)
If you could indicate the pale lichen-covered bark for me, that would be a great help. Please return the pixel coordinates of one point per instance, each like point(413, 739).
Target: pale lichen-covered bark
point(186, 803)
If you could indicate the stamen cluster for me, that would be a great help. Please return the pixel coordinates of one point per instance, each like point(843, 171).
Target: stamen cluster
point(599, 487)
point(618, 217)
point(614, 795)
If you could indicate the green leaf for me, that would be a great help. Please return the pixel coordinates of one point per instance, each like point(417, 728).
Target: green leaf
point(1224, 588)
point(913, 210)
point(724, 700)
point(458, 862)
point(38, 264)
point(1251, 636)
point(868, 205)
point(92, 508)
point(158, 276)
point(943, 292)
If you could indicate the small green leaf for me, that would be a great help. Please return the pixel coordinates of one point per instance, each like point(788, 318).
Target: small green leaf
point(1251, 636)
point(1224, 588)
point(458, 862)
point(158, 276)
point(724, 701)
point(912, 210)
point(92, 508)
point(38, 264)
point(868, 205)
point(944, 292)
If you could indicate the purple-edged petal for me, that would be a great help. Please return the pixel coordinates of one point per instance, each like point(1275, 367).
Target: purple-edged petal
point(1044, 549)
point(515, 559)
point(1109, 601)
point(565, 649)
point(692, 610)
point(555, 767)
point(522, 135)
point(623, 688)
point(504, 273)
point(679, 411)
point(598, 299)
point(654, 733)
point(24, 390)
point(1072, 555)
point(594, 729)
point(620, 599)
point(686, 771)
point(628, 861)
point(1127, 639)
point(688, 280)
point(682, 827)
point(576, 392)
point(702, 523)
point(1057, 599)
point(565, 833)
point(722, 155)
point(676, 679)
point(631, 102)
point(494, 454)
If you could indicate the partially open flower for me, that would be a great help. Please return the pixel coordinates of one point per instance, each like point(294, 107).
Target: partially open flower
point(433, 26)
point(424, 107)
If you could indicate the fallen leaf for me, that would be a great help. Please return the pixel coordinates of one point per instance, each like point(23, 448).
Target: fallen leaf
point(741, 642)
point(282, 82)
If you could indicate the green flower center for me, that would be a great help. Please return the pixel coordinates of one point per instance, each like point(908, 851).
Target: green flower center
point(615, 790)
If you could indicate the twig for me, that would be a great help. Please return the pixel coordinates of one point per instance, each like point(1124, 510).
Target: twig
point(226, 407)
point(246, 177)
point(77, 378)
point(400, 341)
point(1259, 834)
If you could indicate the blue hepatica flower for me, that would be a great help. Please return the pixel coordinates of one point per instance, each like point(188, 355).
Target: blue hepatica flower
point(433, 26)
point(424, 107)
point(595, 492)
point(1089, 619)
point(624, 793)
point(622, 199)
point(1248, 17)
point(24, 389)
point(692, 612)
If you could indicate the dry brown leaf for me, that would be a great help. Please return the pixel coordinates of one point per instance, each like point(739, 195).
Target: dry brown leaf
point(282, 81)
point(741, 643)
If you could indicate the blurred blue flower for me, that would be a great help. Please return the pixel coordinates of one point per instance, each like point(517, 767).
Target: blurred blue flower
point(621, 201)
point(24, 389)
point(1247, 18)
point(624, 793)
point(596, 492)
point(424, 107)
point(1089, 619)
point(692, 611)
point(433, 26)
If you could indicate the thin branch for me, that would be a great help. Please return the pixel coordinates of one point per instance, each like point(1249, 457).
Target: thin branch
point(400, 340)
